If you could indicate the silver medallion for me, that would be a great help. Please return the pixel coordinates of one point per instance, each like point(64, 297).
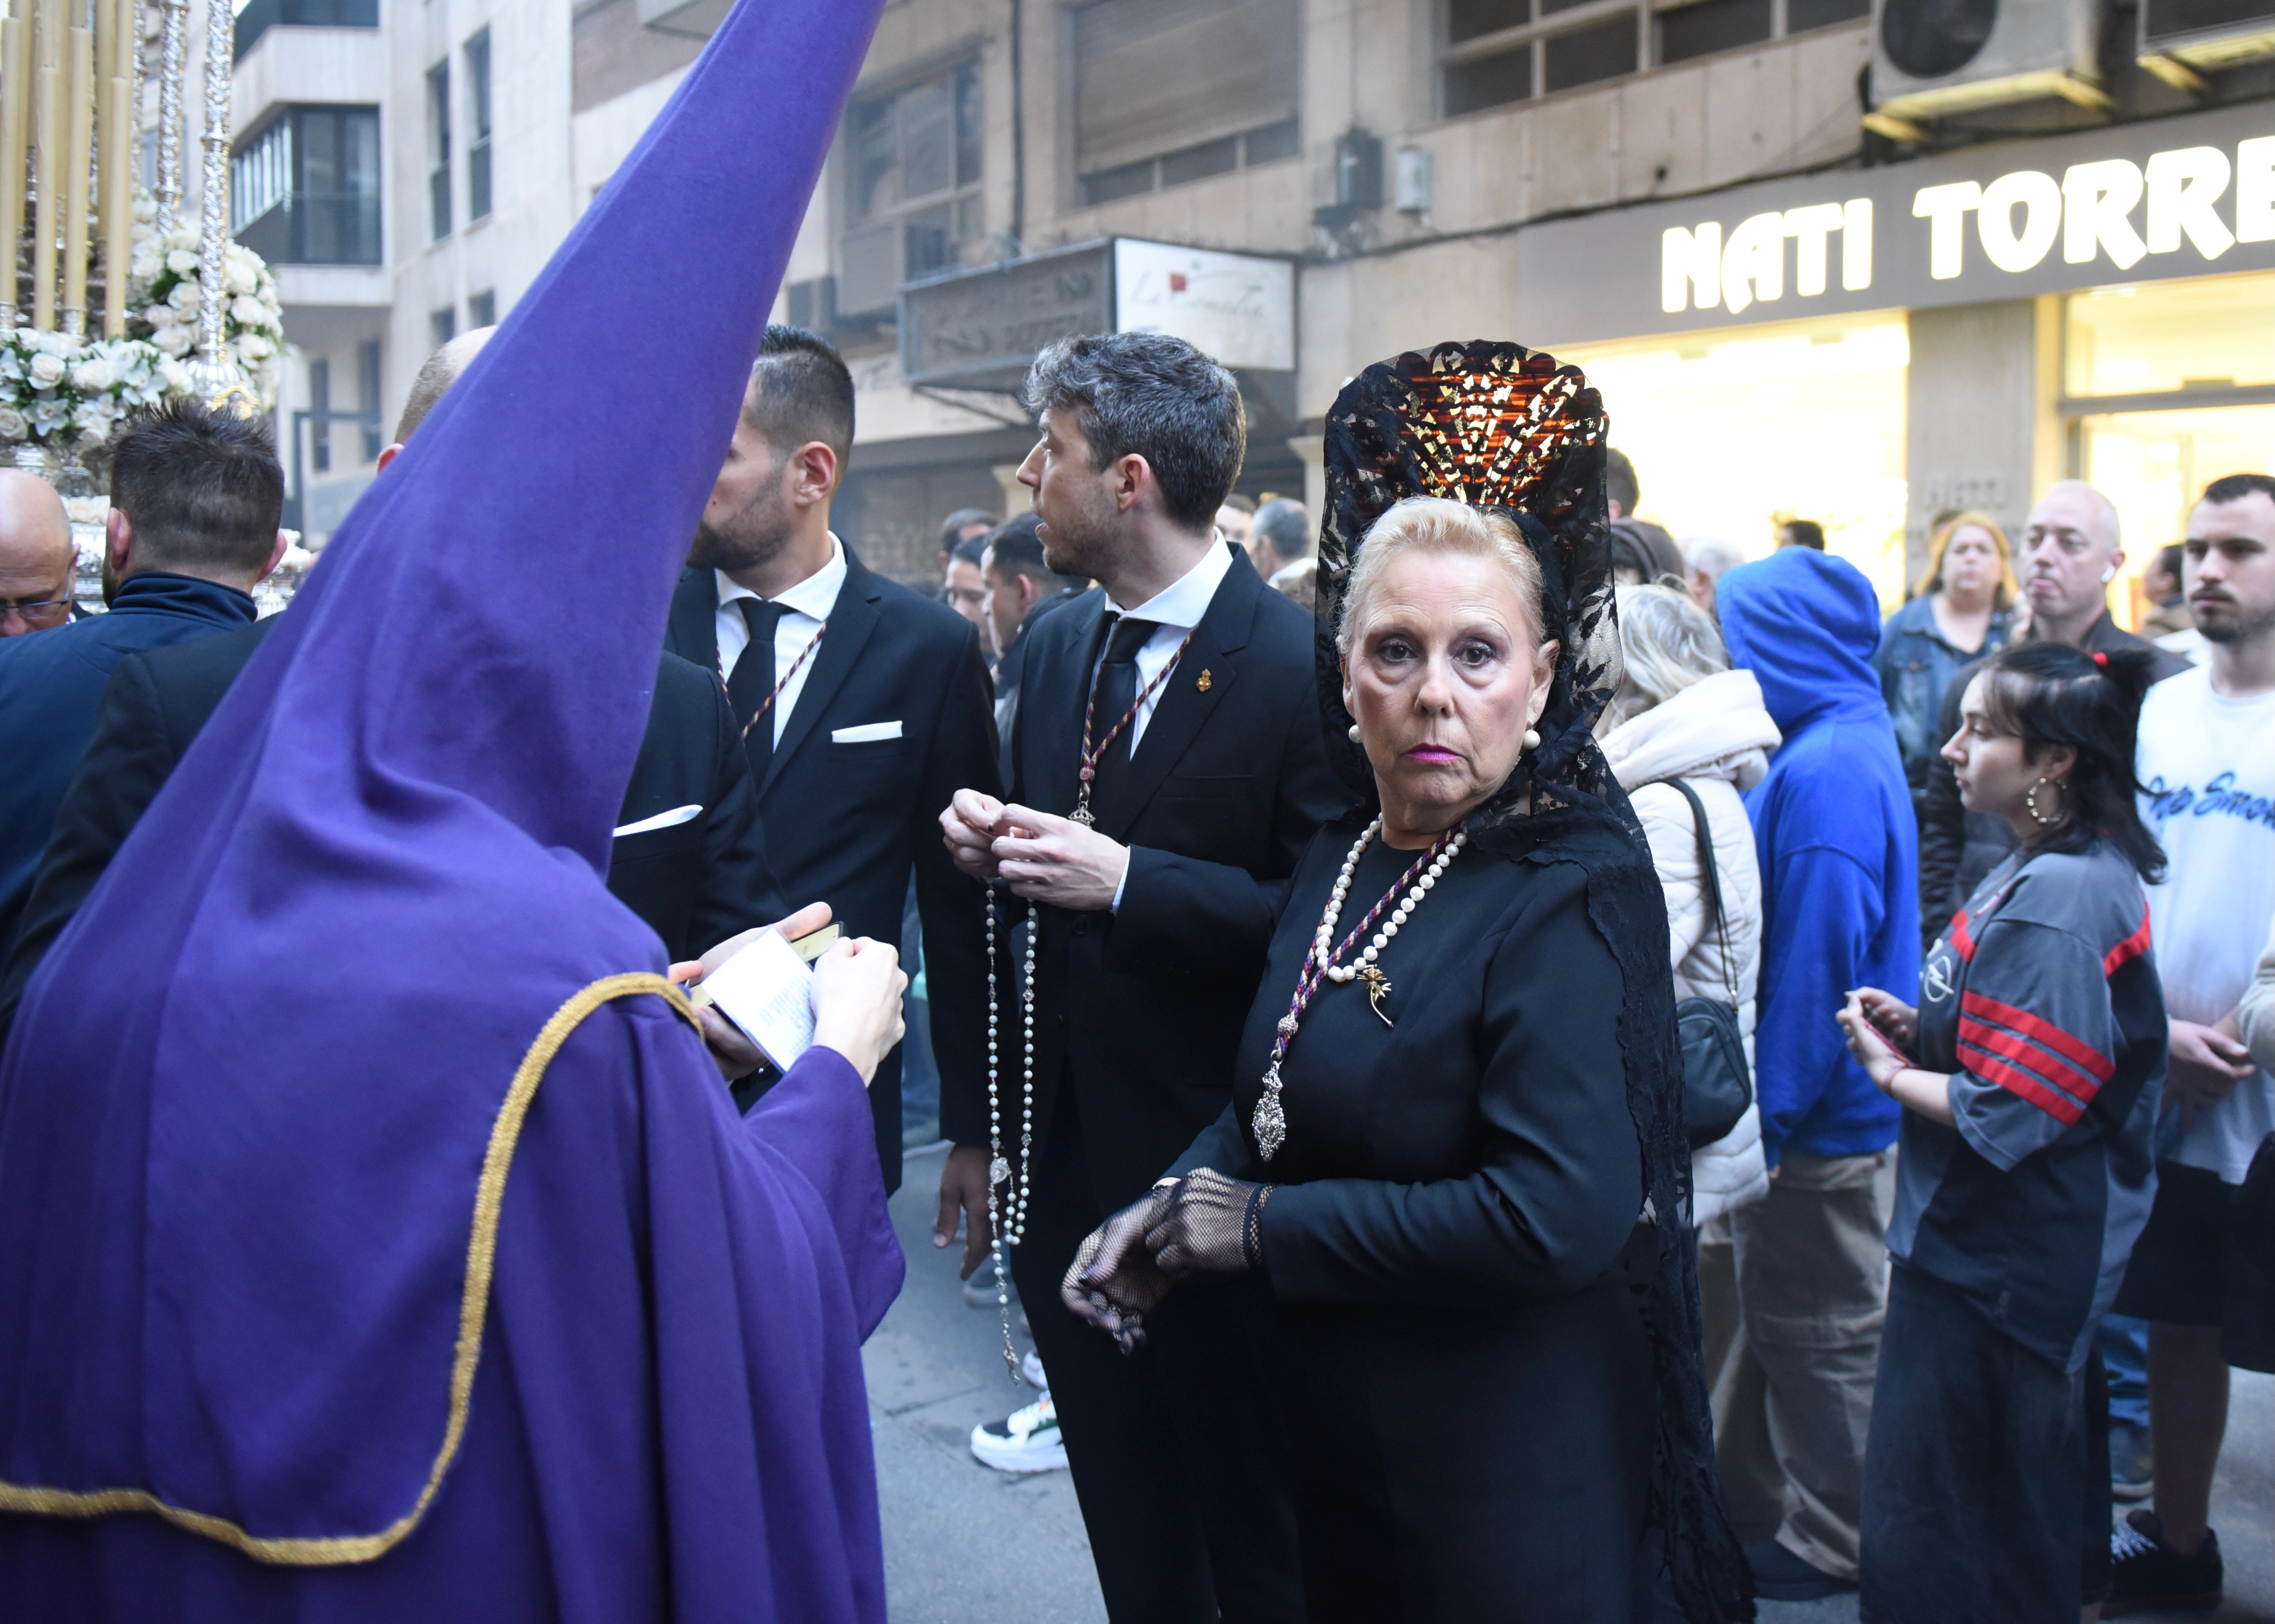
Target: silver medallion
point(1269, 1122)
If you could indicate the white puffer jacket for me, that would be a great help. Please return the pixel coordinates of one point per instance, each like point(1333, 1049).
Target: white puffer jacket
point(1717, 736)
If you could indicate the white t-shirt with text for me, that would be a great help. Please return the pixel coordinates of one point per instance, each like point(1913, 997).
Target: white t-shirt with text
point(2207, 765)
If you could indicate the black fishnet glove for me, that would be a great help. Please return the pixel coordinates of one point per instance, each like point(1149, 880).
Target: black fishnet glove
point(1113, 1282)
point(1209, 1225)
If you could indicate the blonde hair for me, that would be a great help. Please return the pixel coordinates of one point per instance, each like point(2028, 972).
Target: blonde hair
point(1940, 543)
point(1668, 643)
point(1433, 526)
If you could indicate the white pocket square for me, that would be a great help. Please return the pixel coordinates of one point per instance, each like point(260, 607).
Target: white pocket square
point(866, 733)
point(662, 821)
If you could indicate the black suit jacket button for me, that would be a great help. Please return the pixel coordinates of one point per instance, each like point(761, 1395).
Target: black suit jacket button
point(1082, 927)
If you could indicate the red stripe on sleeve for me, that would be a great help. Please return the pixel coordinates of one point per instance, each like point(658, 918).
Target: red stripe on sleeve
point(2126, 951)
point(2084, 1055)
point(2058, 1072)
point(1962, 943)
point(2059, 1107)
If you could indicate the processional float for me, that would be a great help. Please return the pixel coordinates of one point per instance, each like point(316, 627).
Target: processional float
point(114, 299)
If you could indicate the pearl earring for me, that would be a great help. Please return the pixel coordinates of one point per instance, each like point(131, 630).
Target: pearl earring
point(1532, 738)
point(1353, 733)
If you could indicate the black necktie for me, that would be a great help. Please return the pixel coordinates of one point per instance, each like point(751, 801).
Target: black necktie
point(753, 679)
point(1117, 691)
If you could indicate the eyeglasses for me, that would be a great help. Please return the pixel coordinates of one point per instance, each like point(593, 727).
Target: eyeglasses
point(38, 616)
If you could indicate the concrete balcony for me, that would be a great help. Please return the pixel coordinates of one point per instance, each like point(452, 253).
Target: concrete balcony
point(370, 287)
point(290, 64)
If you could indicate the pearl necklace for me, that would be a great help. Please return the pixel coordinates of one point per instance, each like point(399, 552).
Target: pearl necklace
point(1269, 1120)
point(1007, 1216)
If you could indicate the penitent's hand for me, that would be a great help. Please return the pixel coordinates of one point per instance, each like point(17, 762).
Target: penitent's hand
point(964, 1194)
point(1056, 860)
point(968, 829)
point(857, 1002)
point(735, 1055)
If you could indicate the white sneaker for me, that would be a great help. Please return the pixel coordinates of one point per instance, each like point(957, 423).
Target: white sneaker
point(1027, 1440)
point(1031, 1372)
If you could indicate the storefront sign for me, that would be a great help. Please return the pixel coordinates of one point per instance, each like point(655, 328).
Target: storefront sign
point(2180, 197)
point(980, 330)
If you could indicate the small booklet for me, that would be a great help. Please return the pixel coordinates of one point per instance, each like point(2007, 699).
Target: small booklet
point(767, 991)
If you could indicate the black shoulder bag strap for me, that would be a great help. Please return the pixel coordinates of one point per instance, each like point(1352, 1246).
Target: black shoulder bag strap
point(1710, 879)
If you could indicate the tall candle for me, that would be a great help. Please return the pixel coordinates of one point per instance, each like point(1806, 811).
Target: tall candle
point(47, 165)
point(117, 203)
point(79, 153)
point(15, 142)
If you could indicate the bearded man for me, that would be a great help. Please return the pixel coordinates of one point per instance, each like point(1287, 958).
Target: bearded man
point(863, 705)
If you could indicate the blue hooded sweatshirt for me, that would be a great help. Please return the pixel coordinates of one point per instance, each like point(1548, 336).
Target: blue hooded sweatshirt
point(1838, 844)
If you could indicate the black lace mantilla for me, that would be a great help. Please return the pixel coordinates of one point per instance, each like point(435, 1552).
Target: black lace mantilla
point(1504, 429)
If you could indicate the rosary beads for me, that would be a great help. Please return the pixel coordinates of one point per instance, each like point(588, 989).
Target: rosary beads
point(1007, 1216)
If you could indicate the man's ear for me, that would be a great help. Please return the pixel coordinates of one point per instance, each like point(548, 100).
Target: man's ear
point(1131, 475)
point(387, 455)
point(812, 470)
point(117, 540)
point(275, 557)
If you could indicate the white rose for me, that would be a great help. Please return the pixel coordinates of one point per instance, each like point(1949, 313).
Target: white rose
point(247, 312)
point(174, 375)
point(252, 347)
point(160, 316)
point(184, 298)
point(241, 278)
point(185, 236)
point(183, 261)
point(45, 370)
point(92, 377)
point(12, 426)
point(91, 422)
point(174, 341)
point(146, 208)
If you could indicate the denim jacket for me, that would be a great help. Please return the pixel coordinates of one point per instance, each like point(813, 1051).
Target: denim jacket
point(1916, 663)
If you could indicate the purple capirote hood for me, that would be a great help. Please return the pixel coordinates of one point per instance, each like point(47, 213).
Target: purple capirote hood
point(248, 1096)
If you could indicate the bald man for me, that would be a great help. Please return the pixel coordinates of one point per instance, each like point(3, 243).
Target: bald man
point(37, 555)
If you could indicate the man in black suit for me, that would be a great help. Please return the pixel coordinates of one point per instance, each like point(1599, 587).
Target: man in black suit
point(1154, 924)
point(689, 857)
point(1021, 590)
point(862, 707)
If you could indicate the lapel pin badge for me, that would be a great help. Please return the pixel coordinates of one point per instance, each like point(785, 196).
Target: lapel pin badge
point(1202, 685)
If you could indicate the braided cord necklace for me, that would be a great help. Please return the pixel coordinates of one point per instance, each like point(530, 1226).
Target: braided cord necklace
point(1269, 1120)
point(1081, 814)
point(796, 665)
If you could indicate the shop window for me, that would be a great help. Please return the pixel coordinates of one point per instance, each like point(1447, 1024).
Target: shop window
point(1712, 26)
point(1809, 419)
point(1172, 91)
point(913, 173)
point(1489, 82)
point(2202, 336)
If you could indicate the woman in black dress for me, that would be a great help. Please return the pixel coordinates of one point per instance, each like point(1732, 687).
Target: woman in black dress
point(1453, 1161)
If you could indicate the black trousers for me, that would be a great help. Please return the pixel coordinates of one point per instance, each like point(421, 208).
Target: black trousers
point(1176, 1455)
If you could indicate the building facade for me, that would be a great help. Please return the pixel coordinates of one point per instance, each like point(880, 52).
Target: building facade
point(1826, 258)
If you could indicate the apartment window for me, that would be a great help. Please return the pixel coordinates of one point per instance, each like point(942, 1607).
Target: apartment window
point(304, 187)
point(438, 151)
point(320, 405)
point(442, 326)
point(482, 309)
point(1493, 52)
point(913, 175)
point(256, 18)
point(368, 383)
point(478, 149)
point(1172, 91)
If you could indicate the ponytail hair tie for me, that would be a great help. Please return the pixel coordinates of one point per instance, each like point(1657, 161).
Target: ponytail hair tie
point(2101, 659)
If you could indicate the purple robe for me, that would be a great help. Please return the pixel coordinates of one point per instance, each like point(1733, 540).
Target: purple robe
point(377, 1241)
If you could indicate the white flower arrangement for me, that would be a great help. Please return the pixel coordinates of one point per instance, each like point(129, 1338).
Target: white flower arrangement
point(70, 392)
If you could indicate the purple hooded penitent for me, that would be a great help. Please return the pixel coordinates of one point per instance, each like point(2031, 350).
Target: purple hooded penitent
point(376, 1240)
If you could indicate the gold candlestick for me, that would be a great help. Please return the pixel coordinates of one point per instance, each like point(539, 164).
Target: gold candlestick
point(15, 144)
point(79, 154)
point(47, 166)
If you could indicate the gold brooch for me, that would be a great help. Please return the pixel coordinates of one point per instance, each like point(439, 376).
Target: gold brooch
point(1202, 685)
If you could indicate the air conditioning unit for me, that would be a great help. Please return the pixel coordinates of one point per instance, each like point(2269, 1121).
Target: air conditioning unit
point(2181, 38)
point(1935, 57)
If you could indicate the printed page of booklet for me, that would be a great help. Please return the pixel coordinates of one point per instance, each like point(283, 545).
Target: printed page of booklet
point(767, 991)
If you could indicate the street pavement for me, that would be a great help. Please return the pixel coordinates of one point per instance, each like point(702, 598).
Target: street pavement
point(967, 1545)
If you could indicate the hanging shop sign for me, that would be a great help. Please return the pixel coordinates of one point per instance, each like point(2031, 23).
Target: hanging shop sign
point(979, 329)
point(2141, 202)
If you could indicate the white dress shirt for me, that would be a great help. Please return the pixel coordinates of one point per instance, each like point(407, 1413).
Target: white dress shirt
point(809, 603)
point(1178, 608)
